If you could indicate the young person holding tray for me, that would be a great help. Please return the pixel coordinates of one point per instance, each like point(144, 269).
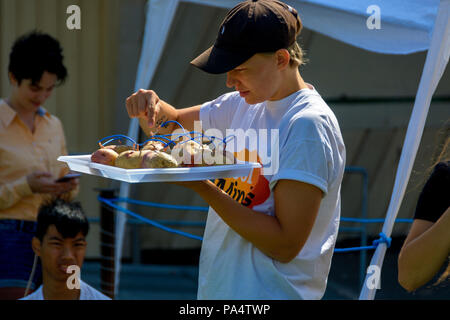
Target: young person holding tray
point(270, 235)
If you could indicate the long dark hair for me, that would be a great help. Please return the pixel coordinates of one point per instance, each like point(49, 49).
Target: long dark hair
point(442, 152)
point(443, 155)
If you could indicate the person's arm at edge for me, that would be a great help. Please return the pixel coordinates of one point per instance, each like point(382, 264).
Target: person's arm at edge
point(424, 251)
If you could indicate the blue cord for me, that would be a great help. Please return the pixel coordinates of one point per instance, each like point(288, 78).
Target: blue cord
point(232, 137)
point(168, 137)
point(148, 221)
point(160, 205)
point(156, 139)
point(341, 250)
point(108, 142)
point(164, 124)
point(116, 137)
point(383, 238)
point(373, 220)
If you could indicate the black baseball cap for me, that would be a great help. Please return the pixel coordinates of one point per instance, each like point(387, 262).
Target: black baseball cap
point(251, 27)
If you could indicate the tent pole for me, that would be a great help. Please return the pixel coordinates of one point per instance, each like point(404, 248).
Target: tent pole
point(160, 14)
point(435, 63)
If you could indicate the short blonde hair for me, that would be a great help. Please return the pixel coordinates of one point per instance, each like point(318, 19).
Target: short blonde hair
point(297, 55)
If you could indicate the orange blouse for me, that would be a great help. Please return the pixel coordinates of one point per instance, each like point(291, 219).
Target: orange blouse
point(21, 153)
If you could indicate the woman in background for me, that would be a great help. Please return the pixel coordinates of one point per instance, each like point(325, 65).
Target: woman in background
point(31, 140)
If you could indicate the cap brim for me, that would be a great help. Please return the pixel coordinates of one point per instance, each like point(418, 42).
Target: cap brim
point(216, 60)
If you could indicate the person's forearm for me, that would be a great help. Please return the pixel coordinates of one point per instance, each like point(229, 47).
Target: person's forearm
point(422, 258)
point(264, 231)
point(11, 193)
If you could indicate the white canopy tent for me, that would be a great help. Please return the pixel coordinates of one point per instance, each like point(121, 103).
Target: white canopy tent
point(407, 26)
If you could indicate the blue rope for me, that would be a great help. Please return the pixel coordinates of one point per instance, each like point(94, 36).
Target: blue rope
point(382, 239)
point(182, 223)
point(373, 220)
point(165, 222)
point(205, 209)
point(148, 221)
point(159, 205)
point(341, 250)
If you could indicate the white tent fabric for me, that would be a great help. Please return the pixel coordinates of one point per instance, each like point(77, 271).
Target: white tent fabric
point(158, 20)
point(406, 27)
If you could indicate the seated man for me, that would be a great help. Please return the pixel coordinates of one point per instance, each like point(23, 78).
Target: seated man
point(60, 242)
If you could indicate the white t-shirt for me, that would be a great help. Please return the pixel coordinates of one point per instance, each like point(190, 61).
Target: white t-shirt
point(309, 149)
point(86, 293)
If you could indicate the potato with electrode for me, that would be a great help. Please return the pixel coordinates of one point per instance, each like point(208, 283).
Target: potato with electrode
point(104, 156)
point(119, 148)
point(131, 159)
point(158, 159)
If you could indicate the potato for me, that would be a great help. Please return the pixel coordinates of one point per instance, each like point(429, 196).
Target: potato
point(131, 159)
point(119, 148)
point(153, 145)
point(188, 154)
point(155, 155)
point(193, 154)
point(158, 159)
point(104, 156)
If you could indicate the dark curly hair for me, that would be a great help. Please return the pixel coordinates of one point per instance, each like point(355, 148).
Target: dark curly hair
point(34, 53)
point(68, 218)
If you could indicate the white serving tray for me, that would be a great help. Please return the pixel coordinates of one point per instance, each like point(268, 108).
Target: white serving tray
point(82, 163)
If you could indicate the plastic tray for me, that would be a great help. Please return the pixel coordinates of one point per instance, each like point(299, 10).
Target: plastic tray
point(82, 163)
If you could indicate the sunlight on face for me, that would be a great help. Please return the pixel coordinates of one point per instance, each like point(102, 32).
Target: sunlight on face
point(257, 79)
